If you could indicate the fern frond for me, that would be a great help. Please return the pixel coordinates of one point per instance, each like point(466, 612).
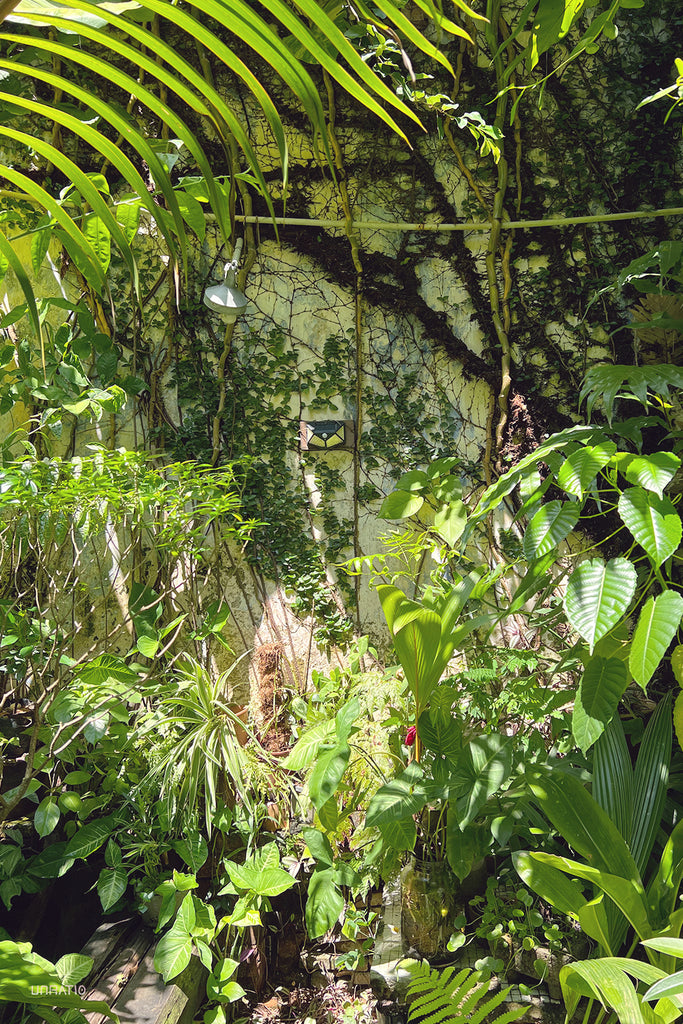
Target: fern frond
point(443, 997)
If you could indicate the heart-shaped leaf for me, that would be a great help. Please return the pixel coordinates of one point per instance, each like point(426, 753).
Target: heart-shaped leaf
point(598, 595)
point(657, 625)
point(653, 521)
point(580, 469)
point(400, 505)
point(653, 472)
point(551, 524)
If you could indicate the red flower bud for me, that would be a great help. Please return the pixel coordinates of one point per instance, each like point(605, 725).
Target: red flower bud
point(410, 736)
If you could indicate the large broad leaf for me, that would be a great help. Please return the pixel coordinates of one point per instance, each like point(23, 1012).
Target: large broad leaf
point(324, 904)
point(605, 981)
point(482, 769)
point(400, 505)
point(441, 733)
point(598, 595)
point(657, 625)
point(549, 883)
point(111, 886)
point(173, 953)
point(328, 772)
point(650, 783)
point(582, 823)
point(549, 527)
point(527, 466)
point(653, 521)
point(398, 799)
point(89, 838)
point(628, 894)
point(653, 472)
point(578, 472)
point(602, 686)
point(417, 636)
point(27, 978)
point(305, 750)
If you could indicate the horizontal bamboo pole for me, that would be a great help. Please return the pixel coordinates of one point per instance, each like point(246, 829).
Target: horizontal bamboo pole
point(435, 226)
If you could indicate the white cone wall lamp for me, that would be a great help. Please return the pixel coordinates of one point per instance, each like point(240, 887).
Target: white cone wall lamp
point(225, 298)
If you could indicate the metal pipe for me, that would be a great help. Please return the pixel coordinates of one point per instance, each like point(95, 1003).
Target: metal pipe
point(388, 225)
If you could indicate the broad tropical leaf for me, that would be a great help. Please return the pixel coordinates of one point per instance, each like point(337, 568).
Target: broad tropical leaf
point(551, 525)
point(579, 470)
point(657, 625)
point(598, 595)
point(602, 686)
point(653, 521)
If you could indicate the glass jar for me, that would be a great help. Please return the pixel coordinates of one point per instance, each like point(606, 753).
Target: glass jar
point(428, 891)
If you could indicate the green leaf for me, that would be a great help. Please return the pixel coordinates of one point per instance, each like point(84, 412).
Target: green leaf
point(450, 522)
point(192, 214)
point(598, 595)
point(666, 987)
point(127, 213)
point(173, 953)
point(99, 236)
point(602, 686)
point(52, 862)
point(89, 838)
point(318, 846)
point(46, 817)
point(415, 480)
point(400, 505)
point(73, 967)
point(653, 521)
point(651, 783)
point(527, 466)
point(482, 769)
point(111, 886)
point(441, 733)
point(327, 774)
point(657, 625)
point(549, 883)
point(219, 986)
point(305, 750)
point(552, 22)
point(324, 904)
point(193, 849)
point(400, 798)
point(549, 527)
point(579, 470)
point(653, 472)
point(582, 823)
point(40, 243)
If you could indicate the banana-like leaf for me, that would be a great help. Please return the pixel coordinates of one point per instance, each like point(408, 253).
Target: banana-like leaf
point(551, 884)
point(628, 894)
point(583, 824)
point(598, 595)
point(607, 979)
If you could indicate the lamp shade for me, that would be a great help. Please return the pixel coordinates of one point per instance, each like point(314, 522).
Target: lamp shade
point(226, 300)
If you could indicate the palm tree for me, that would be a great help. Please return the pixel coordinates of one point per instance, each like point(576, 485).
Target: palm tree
point(124, 47)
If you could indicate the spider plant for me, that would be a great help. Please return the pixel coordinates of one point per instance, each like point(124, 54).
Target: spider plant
point(201, 759)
